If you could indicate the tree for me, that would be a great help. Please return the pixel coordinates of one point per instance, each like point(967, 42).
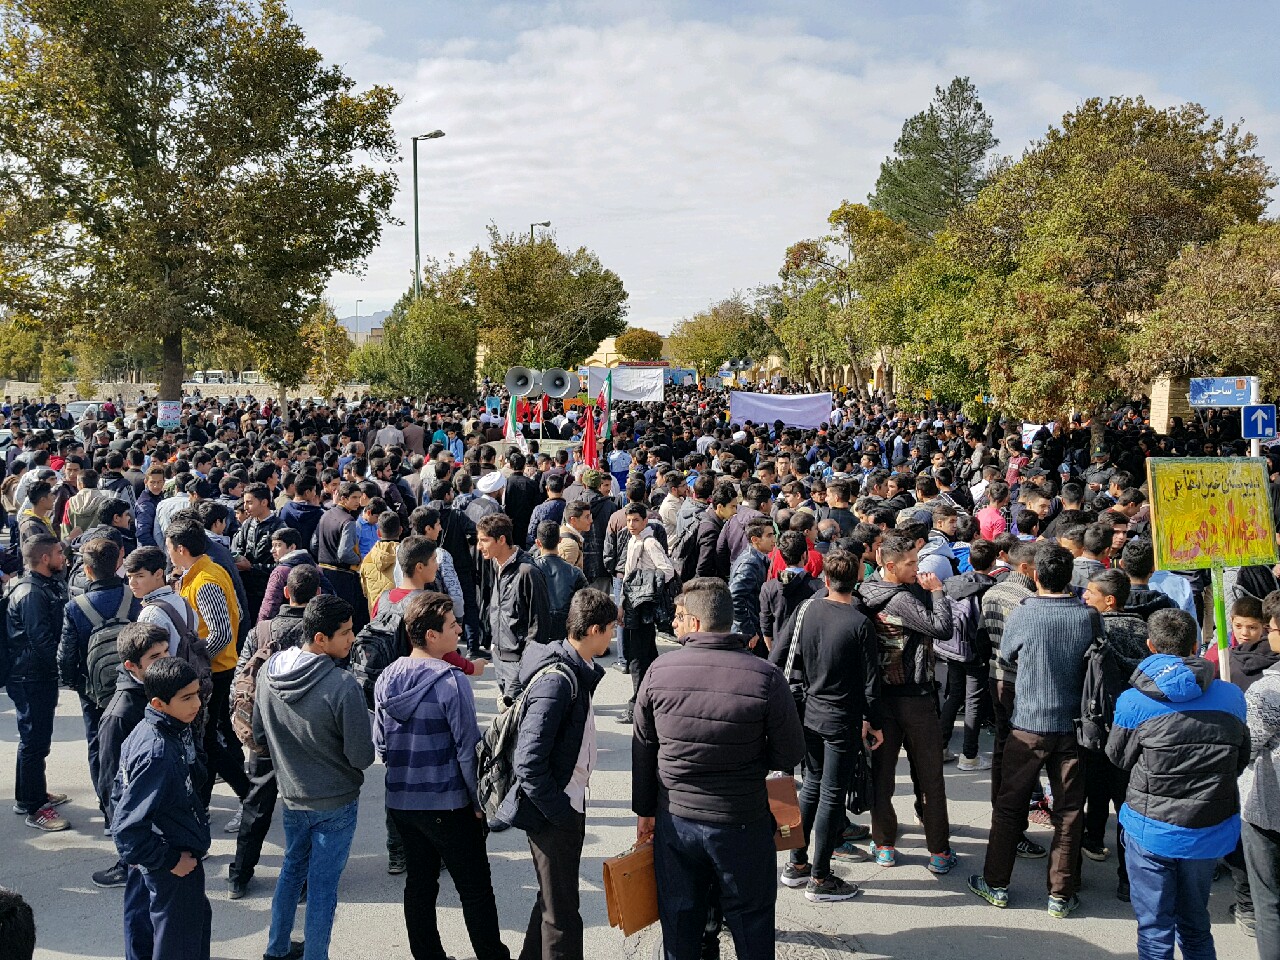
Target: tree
point(937, 166)
point(330, 346)
point(1074, 240)
point(1219, 312)
point(540, 306)
point(428, 348)
point(179, 165)
point(636, 344)
point(729, 329)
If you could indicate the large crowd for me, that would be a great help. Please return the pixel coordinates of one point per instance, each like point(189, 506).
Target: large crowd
point(279, 596)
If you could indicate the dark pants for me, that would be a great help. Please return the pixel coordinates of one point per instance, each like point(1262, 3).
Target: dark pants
point(166, 917)
point(911, 723)
point(454, 838)
point(221, 746)
point(1024, 755)
point(827, 766)
point(35, 702)
point(395, 842)
point(255, 818)
point(555, 925)
point(91, 713)
point(1171, 903)
point(1262, 858)
point(346, 584)
point(1105, 785)
point(962, 684)
point(1002, 709)
point(640, 644)
point(693, 857)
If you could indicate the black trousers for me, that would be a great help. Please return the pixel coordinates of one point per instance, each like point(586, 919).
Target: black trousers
point(454, 838)
point(555, 925)
point(1262, 857)
point(640, 646)
point(962, 684)
point(1105, 785)
point(221, 746)
point(166, 917)
point(256, 810)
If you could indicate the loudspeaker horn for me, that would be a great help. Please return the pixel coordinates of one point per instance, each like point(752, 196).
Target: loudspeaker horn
point(523, 382)
point(557, 383)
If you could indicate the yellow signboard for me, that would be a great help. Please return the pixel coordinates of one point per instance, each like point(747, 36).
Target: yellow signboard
point(1208, 512)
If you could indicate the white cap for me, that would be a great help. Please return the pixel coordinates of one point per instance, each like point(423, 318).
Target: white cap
point(491, 482)
point(740, 436)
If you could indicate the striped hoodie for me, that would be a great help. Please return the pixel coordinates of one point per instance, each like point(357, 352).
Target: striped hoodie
point(425, 731)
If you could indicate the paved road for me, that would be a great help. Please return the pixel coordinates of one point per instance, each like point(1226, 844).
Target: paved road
point(904, 913)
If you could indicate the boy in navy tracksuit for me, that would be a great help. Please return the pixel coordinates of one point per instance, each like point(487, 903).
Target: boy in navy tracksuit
point(160, 826)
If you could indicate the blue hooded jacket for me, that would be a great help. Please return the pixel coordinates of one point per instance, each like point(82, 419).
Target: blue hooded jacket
point(1182, 736)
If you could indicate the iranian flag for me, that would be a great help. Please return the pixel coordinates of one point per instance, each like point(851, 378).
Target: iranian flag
point(604, 405)
point(590, 453)
point(512, 433)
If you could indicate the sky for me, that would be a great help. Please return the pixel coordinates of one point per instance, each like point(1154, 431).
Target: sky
point(690, 143)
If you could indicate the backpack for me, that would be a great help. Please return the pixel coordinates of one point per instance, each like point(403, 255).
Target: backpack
point(1106, 676)
point(102, 661)
point(246, 686)
point(684, 548)
point(6, 662)
point(963, 644)
point(191, 646)
point(496, 751)
point(379, 642)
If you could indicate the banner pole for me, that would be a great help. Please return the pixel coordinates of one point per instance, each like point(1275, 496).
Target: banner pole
point(1220, 622)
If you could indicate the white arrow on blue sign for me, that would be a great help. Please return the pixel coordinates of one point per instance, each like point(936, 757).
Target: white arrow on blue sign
point(1258, 422)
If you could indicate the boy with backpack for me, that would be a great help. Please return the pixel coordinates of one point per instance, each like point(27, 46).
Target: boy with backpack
point(160, 826)
point(962, 664)
point(140, 645)
point(425, 732)
point(265, 640)
point(88, 657)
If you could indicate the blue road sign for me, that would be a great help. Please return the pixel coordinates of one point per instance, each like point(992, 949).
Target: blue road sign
point(1258, 422)
point(1219, 391)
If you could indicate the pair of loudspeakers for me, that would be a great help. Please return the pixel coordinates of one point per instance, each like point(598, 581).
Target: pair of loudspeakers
point(554, 382)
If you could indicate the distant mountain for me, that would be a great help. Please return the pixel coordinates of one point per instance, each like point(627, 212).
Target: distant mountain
point(367, 321)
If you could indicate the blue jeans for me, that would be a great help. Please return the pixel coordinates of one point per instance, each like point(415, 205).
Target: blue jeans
point(317, 843)
point(693, 858)
point(35, 702)
point(1170, 900)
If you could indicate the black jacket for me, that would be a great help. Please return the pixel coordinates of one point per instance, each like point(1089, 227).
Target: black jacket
point(709, 557)
point(123, 713)
point(779, 600)
point(34, 627)
point(515, 607)
point(563, 580)
point(711, 720)
point(602, 508)
point(253, 542)
point(521, 496)
point(550, 736)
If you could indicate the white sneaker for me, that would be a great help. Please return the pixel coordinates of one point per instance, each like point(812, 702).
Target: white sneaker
point(233, 825)
point(977, 763)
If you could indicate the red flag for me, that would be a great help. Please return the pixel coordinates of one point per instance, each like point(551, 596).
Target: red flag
point(589, 455)
point(542, 409)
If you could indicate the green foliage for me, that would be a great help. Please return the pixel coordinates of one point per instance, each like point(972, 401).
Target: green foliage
point(636, 344)
point(330, 346)
point(729, 329)
point(171, 165)
point(937, 166)
point(427, 349)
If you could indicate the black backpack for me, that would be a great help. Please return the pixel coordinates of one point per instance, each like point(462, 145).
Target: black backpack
point(1106, 677)
point(102, 659)
point(684, 548)
point(378, 644)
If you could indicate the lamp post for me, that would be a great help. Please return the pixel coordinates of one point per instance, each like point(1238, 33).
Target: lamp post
point(417, 244)
point(544, 223)
point(358, 302)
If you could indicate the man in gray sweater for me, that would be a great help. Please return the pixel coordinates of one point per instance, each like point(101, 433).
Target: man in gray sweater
point(1045, 639)
point(311, 716)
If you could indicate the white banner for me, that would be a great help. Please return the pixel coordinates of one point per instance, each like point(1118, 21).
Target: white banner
point(633, 384)
point(794, 410)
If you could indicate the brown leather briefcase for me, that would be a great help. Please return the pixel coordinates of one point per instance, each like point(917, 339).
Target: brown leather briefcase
point(631, 889)
point(784, 804)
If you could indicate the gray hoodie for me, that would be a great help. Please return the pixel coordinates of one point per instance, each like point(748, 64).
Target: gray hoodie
point(312, 718)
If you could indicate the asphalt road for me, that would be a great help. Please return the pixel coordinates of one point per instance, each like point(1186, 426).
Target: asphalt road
point(904, 912)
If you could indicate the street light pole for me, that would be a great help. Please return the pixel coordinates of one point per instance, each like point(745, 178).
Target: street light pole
point(544, 223)
point(417, 243)
point(358, 302)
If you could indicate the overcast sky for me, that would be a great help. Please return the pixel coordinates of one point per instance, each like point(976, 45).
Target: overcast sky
point(689, 143)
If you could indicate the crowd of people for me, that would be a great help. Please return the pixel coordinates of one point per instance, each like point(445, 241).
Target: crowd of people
point(281, 596)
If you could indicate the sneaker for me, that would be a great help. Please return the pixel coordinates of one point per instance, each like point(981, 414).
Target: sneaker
point(1247, 922)
point(796, 874)
point(233, 825)
point(1098, 851)
point(116, 876)
point(947, 755)
point(497, 826)
point(48, 819)
point(977, 763)
point(296, 950)
point(621, 666)
point(884, 856)
point(851, 852)
point(943, 862)
point(397, 863)
point(830, 889)
point(996, 896)
point(1030, 850)
point(1122, 891)
point(237, 889)
point(1062, 907)
point(1040, 814)
point(855, 832)
point(50, 800)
